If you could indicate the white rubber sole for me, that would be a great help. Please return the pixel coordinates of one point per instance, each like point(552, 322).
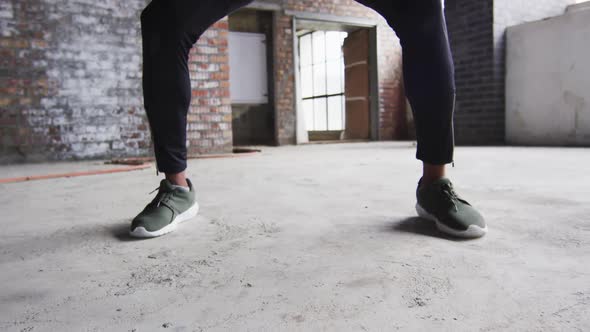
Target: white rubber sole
point(141, 232)
point(473, 231)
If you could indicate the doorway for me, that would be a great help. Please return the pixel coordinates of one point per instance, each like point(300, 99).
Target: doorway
point(321, 70)
point(335, 81)
point(250, 60)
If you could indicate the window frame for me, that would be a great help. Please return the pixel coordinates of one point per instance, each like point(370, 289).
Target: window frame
point(312, 79)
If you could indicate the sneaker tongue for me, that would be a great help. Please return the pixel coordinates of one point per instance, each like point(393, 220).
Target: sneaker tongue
point(439, 183)
point(166, 186)
point(442, 181)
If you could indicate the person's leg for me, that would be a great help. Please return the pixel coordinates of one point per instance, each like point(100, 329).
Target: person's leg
point(431, 173)
point(169, 30)
point(428, 76)
point(430, 88)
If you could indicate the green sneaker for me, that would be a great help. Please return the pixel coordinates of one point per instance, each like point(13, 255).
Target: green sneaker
point(453, 215)
point(170, 207)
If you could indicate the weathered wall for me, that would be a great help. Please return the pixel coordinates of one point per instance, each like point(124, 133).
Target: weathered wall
point(547, 81)
point(477, 35)
point(508, 13)
point(70, 84)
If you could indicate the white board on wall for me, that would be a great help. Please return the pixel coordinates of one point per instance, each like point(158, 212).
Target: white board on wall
point(247, 68)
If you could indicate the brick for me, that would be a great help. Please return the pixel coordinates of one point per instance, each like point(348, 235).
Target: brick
point(68, 89)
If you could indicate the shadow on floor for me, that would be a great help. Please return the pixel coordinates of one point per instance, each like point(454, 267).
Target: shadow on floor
point(64, 239)
point(120, 231)
point(420, 226)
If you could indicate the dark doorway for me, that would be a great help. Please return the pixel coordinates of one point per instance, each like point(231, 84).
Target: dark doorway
point(250, 48)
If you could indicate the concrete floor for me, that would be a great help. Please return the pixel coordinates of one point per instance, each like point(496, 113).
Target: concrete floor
point(305, 238)
point(23, 170)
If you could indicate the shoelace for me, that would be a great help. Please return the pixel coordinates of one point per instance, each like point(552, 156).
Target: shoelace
point(160, 197)
point(450, 195)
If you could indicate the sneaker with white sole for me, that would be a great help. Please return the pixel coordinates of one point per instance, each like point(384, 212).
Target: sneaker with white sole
point(171, 206)
point(453, 215)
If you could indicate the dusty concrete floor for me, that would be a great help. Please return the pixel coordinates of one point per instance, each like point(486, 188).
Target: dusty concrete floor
point(23, 170)
point(305, 238)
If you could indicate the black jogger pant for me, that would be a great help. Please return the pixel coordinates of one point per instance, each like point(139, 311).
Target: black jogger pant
point(171, 27)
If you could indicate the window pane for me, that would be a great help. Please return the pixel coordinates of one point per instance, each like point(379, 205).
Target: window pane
point(305, 50)
point(307, 106)
point(335, 76)
point(306, 82)
point(335, 113)
point(333, 45)
point(319, 111)
point(322, 72)
point(319, 79)
point(319, 47)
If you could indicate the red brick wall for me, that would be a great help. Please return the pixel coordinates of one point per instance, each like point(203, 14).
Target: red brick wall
point(392, 106)
point(284, 78)
point(71, 80)
point(70, 84)
point(209, 119)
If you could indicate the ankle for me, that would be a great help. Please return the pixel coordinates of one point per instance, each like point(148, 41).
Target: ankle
point(178, 179)
point(432, 173)
point(426, 180)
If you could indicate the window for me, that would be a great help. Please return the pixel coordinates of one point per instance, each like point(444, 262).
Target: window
point(322, 79)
